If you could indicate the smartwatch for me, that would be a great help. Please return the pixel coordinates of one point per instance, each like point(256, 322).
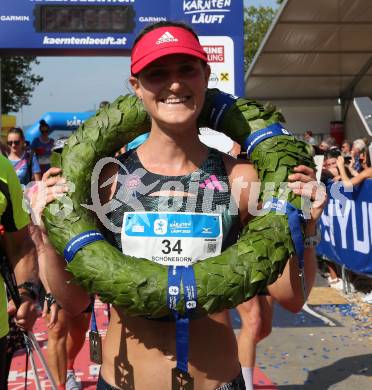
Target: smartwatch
point(313, 241)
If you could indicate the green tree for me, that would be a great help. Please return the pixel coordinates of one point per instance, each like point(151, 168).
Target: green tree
point(17, 82)
point(257, 21)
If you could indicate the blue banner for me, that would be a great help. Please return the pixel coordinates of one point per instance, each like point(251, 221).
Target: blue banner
point(109, 27)
point(346, 226)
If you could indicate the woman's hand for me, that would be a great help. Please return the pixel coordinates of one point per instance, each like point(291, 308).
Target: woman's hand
point(51, 187)
point(26, 315)
point(304, 184)
point(50, 311)
point(340, 162)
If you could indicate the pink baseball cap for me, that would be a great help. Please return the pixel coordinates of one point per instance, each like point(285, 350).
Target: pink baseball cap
point(164, 41)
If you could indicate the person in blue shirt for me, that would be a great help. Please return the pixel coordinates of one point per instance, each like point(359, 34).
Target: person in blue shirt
point(42, 146)
point(24, 162)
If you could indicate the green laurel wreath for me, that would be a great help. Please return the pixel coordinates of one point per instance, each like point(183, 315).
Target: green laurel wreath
point(139, 286)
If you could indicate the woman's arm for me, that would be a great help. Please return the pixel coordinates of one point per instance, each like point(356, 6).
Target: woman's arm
point(341, 168)
point(287, 290)
point(35, 168)
point(365, 174)
point(53, 272)
point(71, 297)
point(37, 176)
point(357, 179)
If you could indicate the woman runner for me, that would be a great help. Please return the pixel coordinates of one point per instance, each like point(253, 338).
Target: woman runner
point(173, 172)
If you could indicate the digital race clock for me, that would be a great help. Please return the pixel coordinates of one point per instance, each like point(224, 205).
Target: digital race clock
point(88, 18)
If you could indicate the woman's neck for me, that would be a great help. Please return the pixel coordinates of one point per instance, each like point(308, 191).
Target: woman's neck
point(15, 155)
point(171, 153)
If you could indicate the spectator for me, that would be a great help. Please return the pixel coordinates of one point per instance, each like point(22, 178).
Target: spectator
point(17, 245)
point(358, 146)
point(346, 148)
point(330, 163)
point(42, 146)
point(323, 146)
point(309, 137)
point(356, 150)
point(366, 170)
point(24, 162)
point(331, 141)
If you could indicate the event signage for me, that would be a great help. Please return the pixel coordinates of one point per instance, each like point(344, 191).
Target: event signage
point(108, 27)
point(346, 226)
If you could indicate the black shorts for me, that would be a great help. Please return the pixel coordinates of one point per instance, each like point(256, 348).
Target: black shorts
point(235, 384)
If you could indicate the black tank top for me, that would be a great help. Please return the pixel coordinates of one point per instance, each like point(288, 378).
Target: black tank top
point(208, 188)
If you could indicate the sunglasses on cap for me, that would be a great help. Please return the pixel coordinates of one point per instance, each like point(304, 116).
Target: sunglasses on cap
point(10, 143)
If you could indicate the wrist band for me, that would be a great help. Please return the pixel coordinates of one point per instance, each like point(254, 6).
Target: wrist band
point(221, 103)
point(50, 300)
point(260, 135)
point(79, 242)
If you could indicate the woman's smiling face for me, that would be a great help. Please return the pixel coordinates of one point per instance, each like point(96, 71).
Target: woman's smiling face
point(172, 89)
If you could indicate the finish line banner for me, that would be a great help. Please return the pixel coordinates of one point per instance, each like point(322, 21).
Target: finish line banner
point(346, 226)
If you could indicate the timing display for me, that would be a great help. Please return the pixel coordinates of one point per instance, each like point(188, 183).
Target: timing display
point(60, 19)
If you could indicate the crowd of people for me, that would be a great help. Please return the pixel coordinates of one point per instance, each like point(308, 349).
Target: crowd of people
point(139, 353)
point(350, 164)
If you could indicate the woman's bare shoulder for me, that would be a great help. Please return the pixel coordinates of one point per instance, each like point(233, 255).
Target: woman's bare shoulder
point(240, 168)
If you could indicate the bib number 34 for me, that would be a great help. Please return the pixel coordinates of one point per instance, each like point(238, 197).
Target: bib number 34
point(168, 248)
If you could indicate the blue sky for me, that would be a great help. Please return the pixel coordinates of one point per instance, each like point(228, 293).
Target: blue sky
point(80, 83)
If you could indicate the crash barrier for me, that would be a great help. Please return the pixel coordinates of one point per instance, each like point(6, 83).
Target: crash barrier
point(346, 227)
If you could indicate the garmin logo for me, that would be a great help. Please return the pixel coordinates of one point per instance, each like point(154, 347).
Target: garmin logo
point(14, 18)
point(152, 19)
point(207, 11)
point(166, 37)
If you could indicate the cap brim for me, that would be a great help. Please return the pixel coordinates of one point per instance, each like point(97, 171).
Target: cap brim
point(166, 51)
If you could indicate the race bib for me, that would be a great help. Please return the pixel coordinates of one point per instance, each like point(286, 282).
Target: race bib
point(171, 238)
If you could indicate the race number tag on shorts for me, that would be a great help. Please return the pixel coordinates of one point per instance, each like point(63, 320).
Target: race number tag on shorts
point(171, 238)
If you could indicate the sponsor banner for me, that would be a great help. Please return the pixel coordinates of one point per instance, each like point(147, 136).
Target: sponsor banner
point(220, 51)
point(101, 27)
point(346, 226)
